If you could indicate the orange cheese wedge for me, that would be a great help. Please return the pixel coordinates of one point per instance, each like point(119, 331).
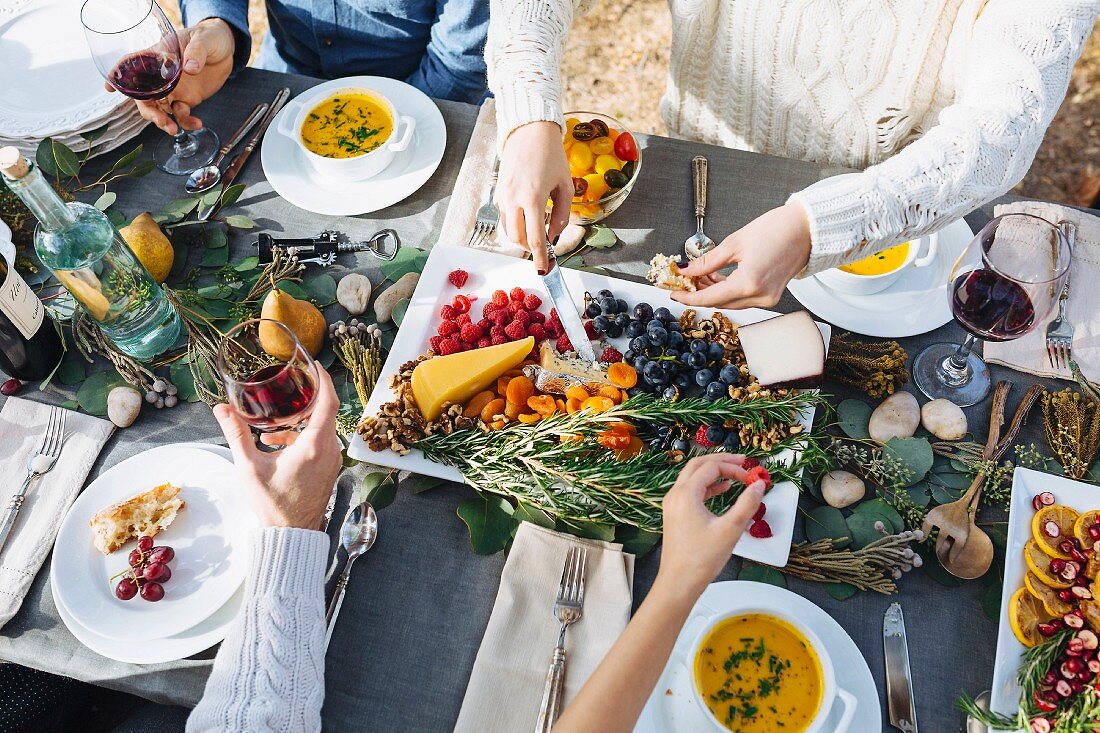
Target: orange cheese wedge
point(458, 377)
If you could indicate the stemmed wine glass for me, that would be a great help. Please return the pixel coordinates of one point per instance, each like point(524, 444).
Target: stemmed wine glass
point(1005, 284)
point(270, 391)
point(138, 52)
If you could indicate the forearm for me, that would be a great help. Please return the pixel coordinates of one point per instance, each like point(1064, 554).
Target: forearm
point(614, 696)
point(983, 144)
point(268, 676)
point(234, 13)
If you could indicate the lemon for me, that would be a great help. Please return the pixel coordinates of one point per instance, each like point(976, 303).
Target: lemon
point(1025, 613)
point(1064, 518)
point(1038, 562)
point(1054, 605)
point(149, 245)
point(1081, 527)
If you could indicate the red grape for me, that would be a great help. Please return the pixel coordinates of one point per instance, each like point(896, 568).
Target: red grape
point(162, 554)
point(158, 572)
point(136, 558)
point(127, 588)
point(152, 592)
point(145, 543)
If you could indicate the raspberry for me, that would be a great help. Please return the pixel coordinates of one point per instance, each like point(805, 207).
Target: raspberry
point(536, 330)
point(536, 317)
point(463, 319)
point(750, 463)
point(611, 355)
point(449, 345)
point(499, 339)
point(760, 511)
point(759, 473)
point(590, 331)
point(515, 331)
point(554, 314)
point(471, 333)
point(446, 328)
point(461, 304)
point(501, 317)
point(760, 529)
point(532, 302)
point(458, 278)
point(517, 295)
point(554, 328)
point(496, 332)
point(489, 309)
point(500, 298)
point(485, 324)
point(563, 344)
point(448, 313)
point(701, 438)
point(434, 342)
point(483, 342)
point(522, 317)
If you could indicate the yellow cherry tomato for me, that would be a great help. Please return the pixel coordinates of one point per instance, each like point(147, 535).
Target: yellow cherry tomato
point(597, 187)
point(612, 133)
point(568, 142)
point(591, 210)
point(602, 145)
point(570, 124)
point(580, 159)
point(604, 163)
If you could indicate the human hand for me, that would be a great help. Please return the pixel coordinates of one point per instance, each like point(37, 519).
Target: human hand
point(697, 543)
point(207, 61)
point(291, 487)
point(768, 251)
point(532, 170)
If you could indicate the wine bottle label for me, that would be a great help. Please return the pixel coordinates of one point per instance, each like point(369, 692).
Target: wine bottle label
point(19, 303)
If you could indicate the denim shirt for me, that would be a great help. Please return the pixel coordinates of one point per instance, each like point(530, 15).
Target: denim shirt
point(435, 45)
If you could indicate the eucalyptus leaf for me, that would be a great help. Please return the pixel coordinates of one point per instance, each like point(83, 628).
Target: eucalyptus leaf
point(105, 201)
point(240, 221)
point(209, 198)
point(248, 263)
point(69, 405)
point(92, 394)
point(116, 217)
point(180, 374)
point(215, 257)
point(399, 308)
point(215, 237)
point(826, 522)
point(528, 513)
point(943, 494)
point(216, 290)
point(862, 529)
point(880, 509)
point(762, 574)
point(853, 417)
point(998, 534)
point(914, 453)
point(379, 489)
point(918, 494)
point(71, 372)
point(638, 542)
point(587, 530)
point(959, 466)
point(321, 288)
point(179, 260)
point(293, 289)
point(950, 480)
point(231, 194)
point(420, 484)
point(166, 217)
point(840, 591)
point(600, 236)
point(93, 135)
point(1093, 474)
point(127, 159)
point(181, 206)
point(991, 599)
point(326, 357)
point(490, 521)
point(934, 570)
point(143, 168)
point(67, 160)
point(407, 259)
point(44, 159)
point(595, 269)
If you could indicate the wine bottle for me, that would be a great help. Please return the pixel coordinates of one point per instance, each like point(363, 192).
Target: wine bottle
point(30, 347)
point(86, 253)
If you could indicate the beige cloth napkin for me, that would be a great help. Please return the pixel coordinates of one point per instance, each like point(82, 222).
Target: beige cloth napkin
point(509, 673)
point(1028, 353)
point(22, 425)
point(472, 187)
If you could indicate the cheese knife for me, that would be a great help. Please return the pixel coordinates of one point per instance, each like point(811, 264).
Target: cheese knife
point(899, 681)
point(563, 302)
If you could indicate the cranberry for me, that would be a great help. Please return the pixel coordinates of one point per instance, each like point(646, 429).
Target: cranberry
point(1061, 687)
point(1051, 529)
point(1065, 595)
point(1048, 630)
point(126, 589)
point(1040, 725)
point(1088, 638)
point(1036, 502)
point(1046, 498)
point(1057, 565)
point(1094, 532)
point(1048, 679)
point(1072, 667)
point(11, 387)
point(153, 592)
point(1081, 592)
point(1073, 621)
point(1046, 706)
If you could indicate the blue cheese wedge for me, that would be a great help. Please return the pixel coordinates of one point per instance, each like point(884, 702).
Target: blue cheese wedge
point(556, 372)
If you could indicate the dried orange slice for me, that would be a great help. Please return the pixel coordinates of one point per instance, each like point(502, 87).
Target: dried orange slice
point(1081, 527)
point(1092, 613)
point(1025, 613)
point(1038, 562)
point(1054, 605)
point(1051, 525)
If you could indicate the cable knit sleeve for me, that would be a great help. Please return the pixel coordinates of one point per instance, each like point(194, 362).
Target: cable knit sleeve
point(1020, 56)
point(268, 676)
point(523, 54)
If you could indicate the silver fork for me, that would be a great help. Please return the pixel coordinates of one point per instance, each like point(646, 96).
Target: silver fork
point(568, 609)
point(1060, 335)
point(487, 216)
point(40, 464)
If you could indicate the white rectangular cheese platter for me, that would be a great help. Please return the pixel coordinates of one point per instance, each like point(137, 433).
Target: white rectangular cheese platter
point(489, 272)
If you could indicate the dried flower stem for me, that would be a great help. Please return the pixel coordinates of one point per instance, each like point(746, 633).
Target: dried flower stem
point(872, 567)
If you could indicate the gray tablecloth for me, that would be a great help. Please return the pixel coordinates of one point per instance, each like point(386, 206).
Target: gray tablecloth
point(418, 604)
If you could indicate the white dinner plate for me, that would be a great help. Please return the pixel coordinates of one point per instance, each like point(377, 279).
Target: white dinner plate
point(422, 319)
point(292, 177)
point(671, 707)
point(209, 535)
point(198, 638)
point(51, 85)
point(917, 303)
point(1025, 485)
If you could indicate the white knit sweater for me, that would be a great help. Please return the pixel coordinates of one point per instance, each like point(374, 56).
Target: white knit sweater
point(943, 103)
point(268, 676)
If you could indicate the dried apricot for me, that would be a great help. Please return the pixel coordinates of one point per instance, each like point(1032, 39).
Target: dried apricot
point(614, 439)
point(497, 424)
point(577, 392)
point(520, 389)
point(543, 404)
point(625, 427)
point(572, 405)
point(635, 448)
point(491, 410)
point(611, 393)
point(513, 373)
point(574, 438)
point(477, 403)
point(512, 409)
point(622, 375)
point(597, 404)
point(560, 404)
point(502, 386)
point(529, 418)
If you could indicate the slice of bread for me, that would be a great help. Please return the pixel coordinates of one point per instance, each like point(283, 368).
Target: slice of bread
point(146, 513)
point(665, 273)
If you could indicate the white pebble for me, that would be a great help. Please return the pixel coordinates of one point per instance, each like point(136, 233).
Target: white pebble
point(570, 239)
point(123, 406)
point(897, 417)
point(944, 419)
point(842, 488)
point(353, 292)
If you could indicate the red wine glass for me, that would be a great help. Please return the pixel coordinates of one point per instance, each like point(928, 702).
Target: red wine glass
point(138, 52)
point(1003, 286)
point(271, 391)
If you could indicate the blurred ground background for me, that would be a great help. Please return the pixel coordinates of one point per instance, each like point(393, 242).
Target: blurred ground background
point(618, 57)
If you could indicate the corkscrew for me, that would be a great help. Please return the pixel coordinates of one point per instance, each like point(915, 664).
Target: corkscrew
point(322, 249)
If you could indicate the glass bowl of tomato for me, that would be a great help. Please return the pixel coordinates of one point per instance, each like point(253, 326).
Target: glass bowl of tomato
point(604, 161)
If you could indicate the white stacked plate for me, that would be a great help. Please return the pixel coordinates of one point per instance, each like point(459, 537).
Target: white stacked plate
point(210, 536)
point(51, 85)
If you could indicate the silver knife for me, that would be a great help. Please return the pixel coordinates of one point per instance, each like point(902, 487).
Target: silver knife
point(242, 157)
point(899, 681)
point(567, 311)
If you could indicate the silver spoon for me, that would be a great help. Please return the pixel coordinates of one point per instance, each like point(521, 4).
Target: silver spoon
point(973, 726)
point(699, 244)
point(357, 535)
point(205, 178)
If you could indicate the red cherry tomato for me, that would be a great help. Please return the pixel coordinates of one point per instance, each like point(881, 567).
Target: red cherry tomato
point(625, 147)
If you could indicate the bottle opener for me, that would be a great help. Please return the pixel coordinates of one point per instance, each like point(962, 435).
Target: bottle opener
point(322, 249)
